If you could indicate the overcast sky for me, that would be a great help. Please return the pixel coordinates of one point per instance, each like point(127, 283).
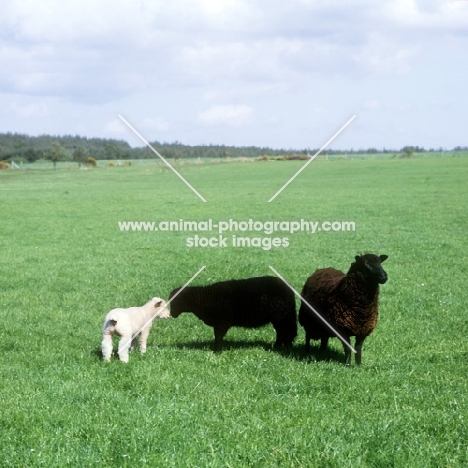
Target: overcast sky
point(283, 74)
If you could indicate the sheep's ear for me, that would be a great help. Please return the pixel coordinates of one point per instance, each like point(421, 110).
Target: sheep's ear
point(383, 258)
point(358, 259)
point(157, 304)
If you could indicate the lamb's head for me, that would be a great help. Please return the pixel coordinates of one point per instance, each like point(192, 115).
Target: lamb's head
point(175, 311)
point(159, 308)
point(370, 266)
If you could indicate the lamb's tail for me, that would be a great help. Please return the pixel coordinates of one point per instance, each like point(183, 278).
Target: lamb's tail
point(111, 322)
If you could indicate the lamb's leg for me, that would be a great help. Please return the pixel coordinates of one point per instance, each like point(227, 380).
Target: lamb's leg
point(124, 347)
point(219, 332)
point(106, 346)
point(143, 338)
point(359, 342)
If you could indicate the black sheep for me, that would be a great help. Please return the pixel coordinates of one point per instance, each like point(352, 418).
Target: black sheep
point(249, 303)
point(349, 303)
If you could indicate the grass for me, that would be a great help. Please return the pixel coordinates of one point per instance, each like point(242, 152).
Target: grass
point(65, 264)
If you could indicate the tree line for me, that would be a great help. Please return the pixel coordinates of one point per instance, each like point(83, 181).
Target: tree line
point(20, 147)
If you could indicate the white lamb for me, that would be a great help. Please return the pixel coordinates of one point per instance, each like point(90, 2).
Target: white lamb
point(129, 324)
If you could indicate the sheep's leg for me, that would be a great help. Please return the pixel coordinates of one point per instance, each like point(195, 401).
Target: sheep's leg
point(286, 331)
point(124, 347)
point(307, 341)
point(107, 346)
point(359, 342)
point(347, 349)
point(279, 338)
point(324, 343)
point(219, 332)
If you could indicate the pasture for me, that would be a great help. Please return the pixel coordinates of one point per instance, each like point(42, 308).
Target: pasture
point(65, 263)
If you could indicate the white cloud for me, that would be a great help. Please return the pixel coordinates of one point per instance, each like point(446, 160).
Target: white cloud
point(450, 16)
point(279, 58)
point(30, 110)
point(156, 125)
point(384, 55)
point(228, 115)
point(85, 20)
point(372, 104)
point(224, 13)
point(94, 51)
point(116, 127)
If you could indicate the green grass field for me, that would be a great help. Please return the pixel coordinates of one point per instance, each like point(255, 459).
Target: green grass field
point(65, 263)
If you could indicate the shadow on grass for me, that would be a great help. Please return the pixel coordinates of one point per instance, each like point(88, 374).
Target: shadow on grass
point(296, 351)
point(299, 353)
point(96, 352)
point(208, 345)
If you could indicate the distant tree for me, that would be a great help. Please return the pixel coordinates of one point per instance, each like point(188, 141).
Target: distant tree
point(407, 151)
point(32, 154)
point(20, 147)
point(91, 162)
point(111, 152)
point(79, 156)
point(55, 153)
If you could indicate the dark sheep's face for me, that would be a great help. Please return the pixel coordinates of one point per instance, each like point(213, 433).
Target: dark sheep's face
point(373, 266)
point(172, 296)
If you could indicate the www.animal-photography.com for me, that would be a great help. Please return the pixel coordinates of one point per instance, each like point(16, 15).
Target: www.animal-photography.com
point(233, 234)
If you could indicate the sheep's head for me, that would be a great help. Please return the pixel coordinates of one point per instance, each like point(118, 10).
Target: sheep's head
point(175, 311)
point(159, 308)
point(370, 266)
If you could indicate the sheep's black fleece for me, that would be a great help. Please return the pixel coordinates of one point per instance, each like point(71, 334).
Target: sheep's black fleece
point(249, 303)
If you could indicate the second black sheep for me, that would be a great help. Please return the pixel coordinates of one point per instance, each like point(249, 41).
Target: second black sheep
point(348, 303)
